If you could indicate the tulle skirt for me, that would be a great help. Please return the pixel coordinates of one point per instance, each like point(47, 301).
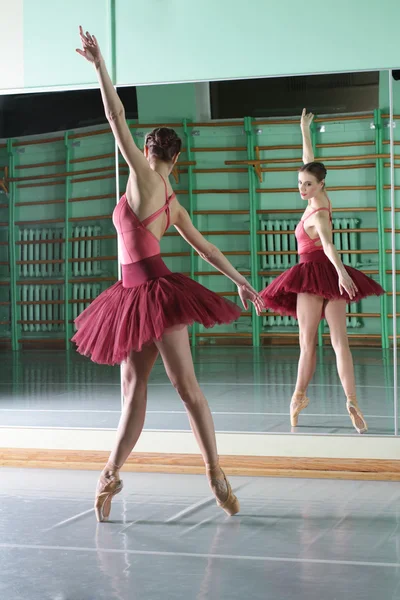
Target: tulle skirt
point(137, 310)
point(314, 274)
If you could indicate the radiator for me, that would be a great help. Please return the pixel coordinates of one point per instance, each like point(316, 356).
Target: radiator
point(53, 312)
point(282, 239)
point(56, 251)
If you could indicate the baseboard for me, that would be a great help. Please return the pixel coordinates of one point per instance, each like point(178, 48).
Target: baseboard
point(257, 466)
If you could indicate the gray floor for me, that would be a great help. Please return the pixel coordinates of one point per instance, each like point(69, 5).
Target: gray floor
point(294, 539)
point(248, 390)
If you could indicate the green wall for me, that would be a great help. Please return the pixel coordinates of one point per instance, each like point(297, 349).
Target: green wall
point(158, 42)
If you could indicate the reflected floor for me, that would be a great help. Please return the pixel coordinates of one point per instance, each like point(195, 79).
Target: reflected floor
point(294, 539)
point(247, 389)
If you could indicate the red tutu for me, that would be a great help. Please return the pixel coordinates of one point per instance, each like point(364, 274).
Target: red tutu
point(315, 274)
point(122, 319)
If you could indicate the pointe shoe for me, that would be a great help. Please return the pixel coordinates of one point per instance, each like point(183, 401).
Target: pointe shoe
point(356, 416)
point(299, 402)
point(108, 486)
point(224, 495)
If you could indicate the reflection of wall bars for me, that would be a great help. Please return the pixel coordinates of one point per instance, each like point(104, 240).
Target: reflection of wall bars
point(42, 251)
point(46, 303)
point(279, 237)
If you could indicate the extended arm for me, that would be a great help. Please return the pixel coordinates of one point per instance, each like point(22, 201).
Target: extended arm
point(214, 257)
point(113, 106)
point(305, 124)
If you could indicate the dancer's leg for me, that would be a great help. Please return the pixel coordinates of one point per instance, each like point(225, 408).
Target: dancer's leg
point(309, 310)
point(177, 357)
point(335, 313)
point(136, 372)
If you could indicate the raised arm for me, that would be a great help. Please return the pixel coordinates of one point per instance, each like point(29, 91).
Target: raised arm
point(113, 106)
point(305, 124)
point(214, 257)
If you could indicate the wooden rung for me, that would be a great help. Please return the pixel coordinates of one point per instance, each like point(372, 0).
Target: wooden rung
point(221, 212)
point(35, 185)
point(4, 263)
point(301, 210)
point(93, 218)
point(391, 251)
point(39, 302)
point(41, 282)
point(3, 243)
point(388, 187)
point(387, 142)
point(40, 262)
point(62, 175)
point(289, 252)
point(152, 126)
point(40, 141)
point(217, 273)
point(4, 283)
point(227, 170)
point(5, 303)
point(91, 279)
point(298, 160)
point(54, 241)
point(227, 335)
point(40, 340)
point(217, 124)
point(83, 300)
point(331, 168)
point(41, 202)
point(3, 224)
point(40, 322)
point(83, 260)
point(93, 237)
point(331, 145)
point(221, 149)
point(291, 231)
point(75, 136)
point(219, 191)
point(3, 205)
point(339, 188)
point(395, 117)
point(5, 322)
point(325, 335)
point(90, 158)
point(39, 222)
point(276, 273)
point(88, 198)
point(172, 254)
point(173, 234)
point(390, 315)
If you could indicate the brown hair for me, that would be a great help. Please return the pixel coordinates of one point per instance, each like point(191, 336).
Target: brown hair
point(163, 143)
point(315, 168)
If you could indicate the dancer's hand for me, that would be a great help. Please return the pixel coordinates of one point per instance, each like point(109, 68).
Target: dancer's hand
point(306, 119)
point(347, 284)
point(247, 292)
point(91, 48)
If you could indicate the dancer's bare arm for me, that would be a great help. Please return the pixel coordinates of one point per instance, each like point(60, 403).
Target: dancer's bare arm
point(113, 106)
point(324, 230)
point(214, 257)
point(305, 124)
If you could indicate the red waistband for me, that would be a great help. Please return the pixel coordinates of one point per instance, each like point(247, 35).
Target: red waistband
point(317, 256)
point(139, 272)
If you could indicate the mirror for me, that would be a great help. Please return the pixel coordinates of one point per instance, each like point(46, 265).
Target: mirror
point(237, 176)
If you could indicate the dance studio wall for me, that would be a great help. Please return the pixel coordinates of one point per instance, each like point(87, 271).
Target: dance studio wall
point(81, 206)
point(171, 41)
